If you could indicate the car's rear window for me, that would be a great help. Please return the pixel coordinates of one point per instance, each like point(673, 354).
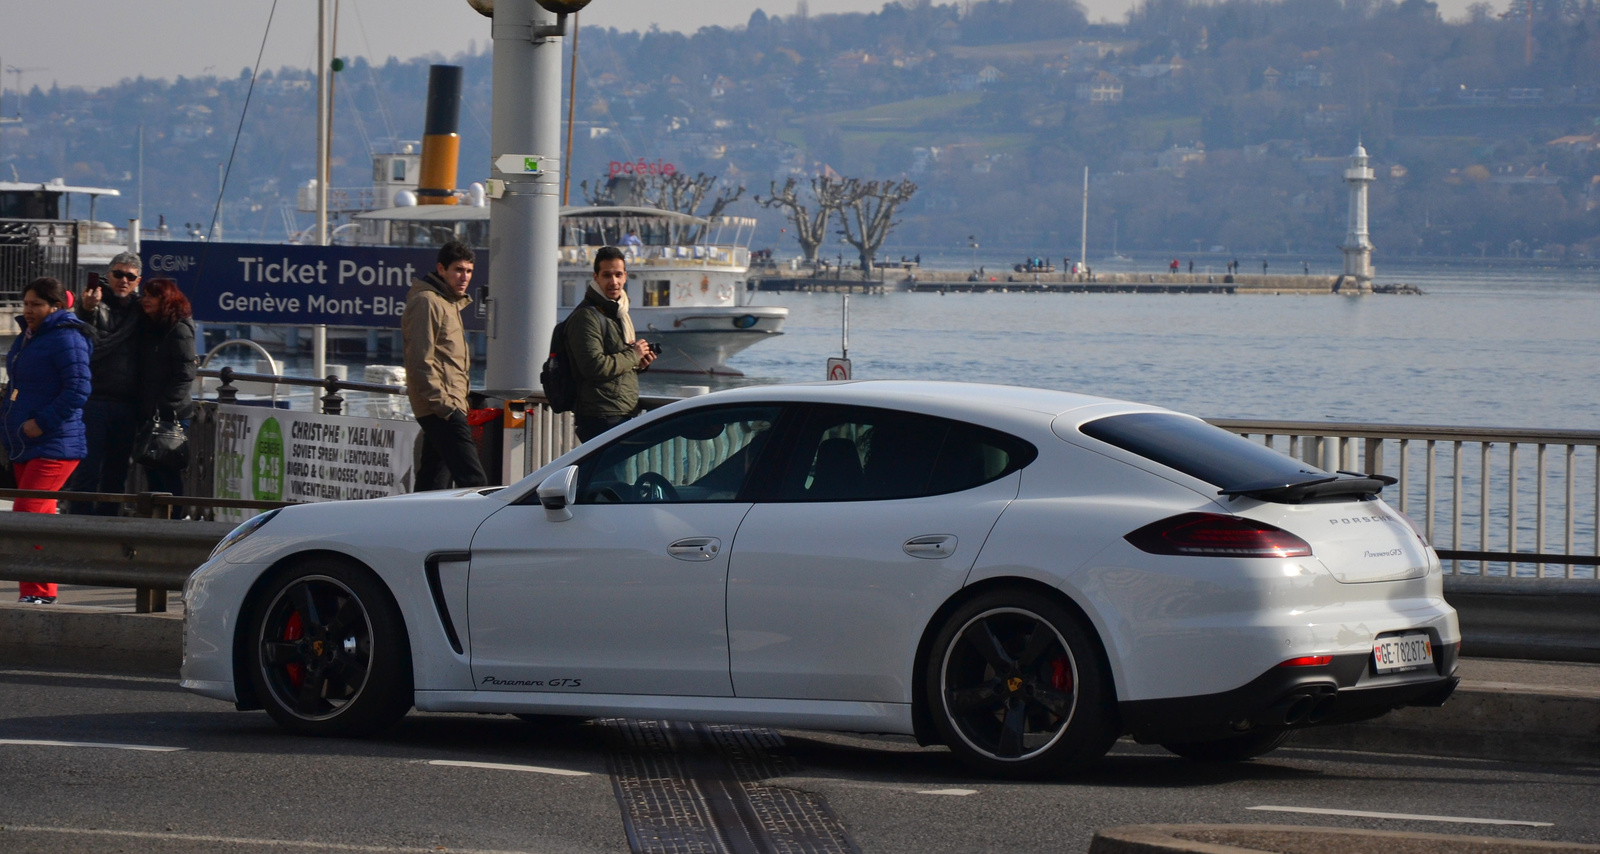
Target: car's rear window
point(1198, 449)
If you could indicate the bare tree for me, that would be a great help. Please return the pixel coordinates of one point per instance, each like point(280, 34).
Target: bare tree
point(872, 206)
point(810, 220)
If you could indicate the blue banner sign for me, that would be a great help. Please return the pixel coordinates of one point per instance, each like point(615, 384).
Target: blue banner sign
point(281, 283)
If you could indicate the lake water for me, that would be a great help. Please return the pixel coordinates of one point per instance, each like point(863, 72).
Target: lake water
point(1483, 347)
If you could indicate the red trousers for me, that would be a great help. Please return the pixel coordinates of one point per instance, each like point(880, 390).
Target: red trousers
point(40, 474)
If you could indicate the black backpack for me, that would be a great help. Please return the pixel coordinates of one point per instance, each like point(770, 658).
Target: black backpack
point(560, 383)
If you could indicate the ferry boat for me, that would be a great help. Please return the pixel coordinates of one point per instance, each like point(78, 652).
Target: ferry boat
point(687, 283)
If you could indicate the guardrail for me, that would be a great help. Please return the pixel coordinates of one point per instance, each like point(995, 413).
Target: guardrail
point(150, 555)
point(1469, 487)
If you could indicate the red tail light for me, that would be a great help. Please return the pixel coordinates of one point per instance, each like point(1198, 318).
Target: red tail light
point(1307, 661)
point(1216, 535)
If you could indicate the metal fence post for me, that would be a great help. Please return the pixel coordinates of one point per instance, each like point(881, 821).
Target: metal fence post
point(332, 403)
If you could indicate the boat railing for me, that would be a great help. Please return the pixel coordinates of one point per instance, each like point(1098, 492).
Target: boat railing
point(1483, 496)
point(702, 255)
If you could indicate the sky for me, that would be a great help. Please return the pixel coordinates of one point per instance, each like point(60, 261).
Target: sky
point(95, 43)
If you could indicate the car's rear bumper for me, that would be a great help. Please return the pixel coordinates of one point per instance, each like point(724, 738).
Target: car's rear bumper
point(1344, 690)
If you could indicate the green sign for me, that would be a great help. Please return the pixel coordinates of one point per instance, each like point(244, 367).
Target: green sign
point(267, 473)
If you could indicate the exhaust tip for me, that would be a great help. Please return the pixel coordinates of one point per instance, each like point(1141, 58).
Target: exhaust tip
point(1322, 708)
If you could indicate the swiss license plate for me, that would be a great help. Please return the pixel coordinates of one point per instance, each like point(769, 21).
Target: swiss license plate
point(1402, 652)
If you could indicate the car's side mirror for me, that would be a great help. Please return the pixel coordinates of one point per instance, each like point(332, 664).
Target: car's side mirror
point(557, 493)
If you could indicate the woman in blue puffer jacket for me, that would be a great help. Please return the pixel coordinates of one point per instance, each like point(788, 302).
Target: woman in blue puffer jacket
point(41, 414)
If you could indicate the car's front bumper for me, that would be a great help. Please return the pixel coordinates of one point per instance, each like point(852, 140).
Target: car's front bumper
point(1342, 691)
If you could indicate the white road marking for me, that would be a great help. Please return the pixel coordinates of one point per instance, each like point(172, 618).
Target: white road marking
point(957, 792)
point(42, 742)
point(1406, 816)
point(501, 766)
point(58, 674)
point(297, 845)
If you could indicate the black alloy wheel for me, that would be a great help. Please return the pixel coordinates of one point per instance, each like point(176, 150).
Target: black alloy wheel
point(1017, 688)
point(1235, 748)
point(331, 655)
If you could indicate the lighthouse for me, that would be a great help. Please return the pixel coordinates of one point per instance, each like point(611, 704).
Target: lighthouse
point(1357, 246)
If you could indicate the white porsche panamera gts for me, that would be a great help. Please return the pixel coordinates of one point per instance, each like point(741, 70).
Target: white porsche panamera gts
point(1022, 575)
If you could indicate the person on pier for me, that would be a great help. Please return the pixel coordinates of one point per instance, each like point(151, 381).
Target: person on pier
point(437, 366)
point(607, 355)
point(111, 418)
point(41, 410)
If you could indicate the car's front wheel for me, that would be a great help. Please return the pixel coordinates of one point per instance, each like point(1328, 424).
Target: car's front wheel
point(1017, 688)
point(329, 653)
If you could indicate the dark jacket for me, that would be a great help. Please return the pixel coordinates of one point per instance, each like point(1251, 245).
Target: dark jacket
point(49, 382)
point(606, 367)
point(113, 366)
point(165, 360)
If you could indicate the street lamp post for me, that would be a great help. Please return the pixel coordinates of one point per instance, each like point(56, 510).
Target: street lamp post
point(525, 181)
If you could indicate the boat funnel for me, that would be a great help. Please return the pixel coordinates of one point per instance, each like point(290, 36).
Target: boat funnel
point(441, 144)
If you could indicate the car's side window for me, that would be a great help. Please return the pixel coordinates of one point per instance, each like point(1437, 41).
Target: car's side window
point(703, 455)
point(864, 454)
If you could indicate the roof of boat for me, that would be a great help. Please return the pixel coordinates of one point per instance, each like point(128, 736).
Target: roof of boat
point(55, 187)
point(456, 213)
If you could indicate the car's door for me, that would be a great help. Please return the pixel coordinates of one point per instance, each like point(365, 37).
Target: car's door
point(627, 596)
point(875, 519)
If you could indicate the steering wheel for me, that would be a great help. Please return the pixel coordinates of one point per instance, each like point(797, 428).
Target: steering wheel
point(653, 487)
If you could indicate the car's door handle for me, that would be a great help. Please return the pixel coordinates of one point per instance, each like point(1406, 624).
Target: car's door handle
point(695, 548)
point(931, 546)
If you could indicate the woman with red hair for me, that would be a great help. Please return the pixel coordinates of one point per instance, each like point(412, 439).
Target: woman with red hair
point(166, 367)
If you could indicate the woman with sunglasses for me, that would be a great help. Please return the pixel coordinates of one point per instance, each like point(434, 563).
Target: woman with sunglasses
point(111, 417)
point(41, 413)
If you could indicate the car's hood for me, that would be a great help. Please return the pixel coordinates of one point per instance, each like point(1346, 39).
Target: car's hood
point(414, 523)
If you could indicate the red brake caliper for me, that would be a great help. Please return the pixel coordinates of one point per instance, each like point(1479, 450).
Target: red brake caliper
point(292, 630)
point(1061, 674)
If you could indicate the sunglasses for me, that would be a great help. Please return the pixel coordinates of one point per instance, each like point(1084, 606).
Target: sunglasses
point(124, 274)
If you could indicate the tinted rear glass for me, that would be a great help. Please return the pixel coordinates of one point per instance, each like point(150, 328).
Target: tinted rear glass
point(1198, 449)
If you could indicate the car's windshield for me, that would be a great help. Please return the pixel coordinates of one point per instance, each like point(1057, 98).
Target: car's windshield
point(1200, 450)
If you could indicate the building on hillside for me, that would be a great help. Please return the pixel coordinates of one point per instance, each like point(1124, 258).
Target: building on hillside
point(1179, 158)
point(1271, 78)
point(1328, 115)
point(1102, 88)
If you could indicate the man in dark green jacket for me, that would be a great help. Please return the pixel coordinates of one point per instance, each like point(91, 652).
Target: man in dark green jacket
point(606, 355)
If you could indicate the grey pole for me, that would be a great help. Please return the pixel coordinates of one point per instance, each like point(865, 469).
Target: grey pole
point(524, 208)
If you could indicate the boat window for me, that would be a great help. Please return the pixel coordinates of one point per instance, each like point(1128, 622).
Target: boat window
point(699, 456)
point(657, 292)
point(399, 166)
point(865, 454)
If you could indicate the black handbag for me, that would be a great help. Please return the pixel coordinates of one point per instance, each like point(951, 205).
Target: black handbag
point(162, 444)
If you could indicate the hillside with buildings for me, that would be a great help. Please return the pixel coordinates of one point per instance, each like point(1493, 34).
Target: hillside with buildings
point(1202, 124)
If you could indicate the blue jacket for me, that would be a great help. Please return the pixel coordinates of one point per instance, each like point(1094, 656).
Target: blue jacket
point(48, 382)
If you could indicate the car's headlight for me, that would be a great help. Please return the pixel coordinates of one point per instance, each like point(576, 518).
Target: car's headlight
point(245, 529)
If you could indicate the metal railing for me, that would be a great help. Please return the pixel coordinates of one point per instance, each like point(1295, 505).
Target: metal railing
point(1481, 495)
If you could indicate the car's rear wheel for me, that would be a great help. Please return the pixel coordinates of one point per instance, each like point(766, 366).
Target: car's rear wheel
point(329, 653)
point(1017, 688)
point(1235, 748)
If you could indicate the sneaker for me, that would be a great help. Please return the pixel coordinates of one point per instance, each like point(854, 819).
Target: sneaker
point(37, 600)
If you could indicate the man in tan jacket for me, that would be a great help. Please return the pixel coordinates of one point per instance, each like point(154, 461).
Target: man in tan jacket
point(437, 364)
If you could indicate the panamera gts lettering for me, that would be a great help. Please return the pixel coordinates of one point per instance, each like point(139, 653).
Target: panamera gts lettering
point(534, 683)
point(1389, 553)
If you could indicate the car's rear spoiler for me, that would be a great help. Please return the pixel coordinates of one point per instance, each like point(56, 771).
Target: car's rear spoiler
point(1344, 484)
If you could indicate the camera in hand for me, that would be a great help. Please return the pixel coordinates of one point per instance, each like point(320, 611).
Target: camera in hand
point(655, 348)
